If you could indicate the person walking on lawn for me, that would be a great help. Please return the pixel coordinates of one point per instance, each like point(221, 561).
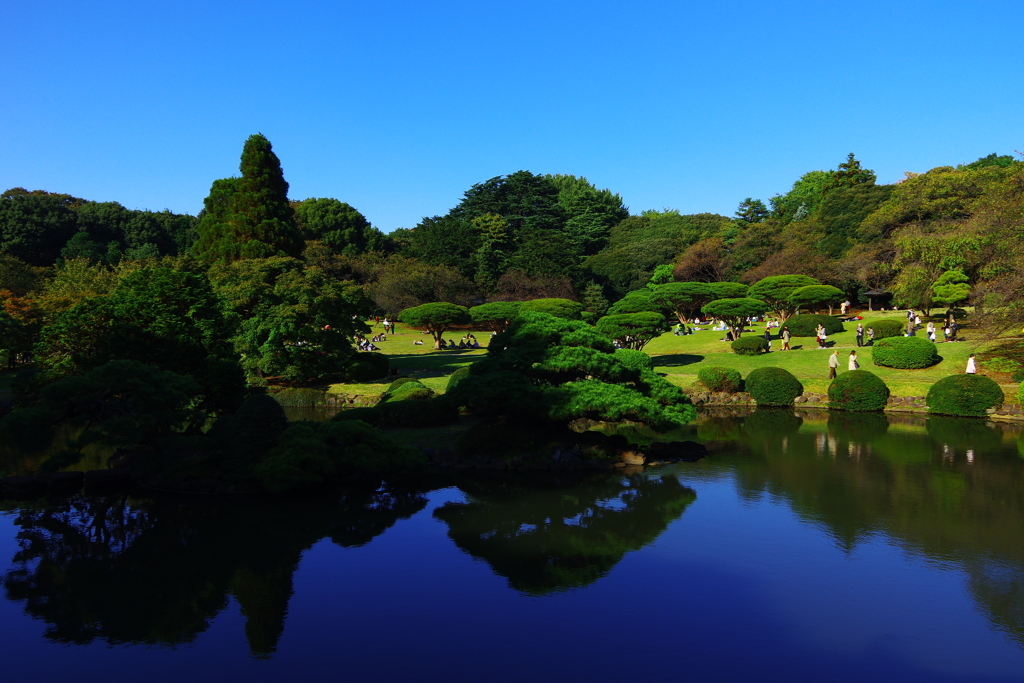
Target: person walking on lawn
point(785, 339)
point(860, 334)
point(833, 363)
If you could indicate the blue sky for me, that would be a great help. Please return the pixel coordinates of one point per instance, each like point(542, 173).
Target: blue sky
point(398, 107)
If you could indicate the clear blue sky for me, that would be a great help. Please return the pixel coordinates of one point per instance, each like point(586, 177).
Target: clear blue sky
point(398, 107)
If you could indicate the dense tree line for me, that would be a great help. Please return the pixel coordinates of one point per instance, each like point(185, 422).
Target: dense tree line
point(259, 288)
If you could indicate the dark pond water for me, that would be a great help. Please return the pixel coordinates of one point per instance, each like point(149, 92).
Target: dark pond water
point(824, 547)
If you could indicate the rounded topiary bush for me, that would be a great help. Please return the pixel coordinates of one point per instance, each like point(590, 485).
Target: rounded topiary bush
point(773, 386)
point(720, 379)
point(885, 328)
point(858, 390)
point(1018, 376)
point(418, 414)
point(969, 395)
point(905, 353)
point(806, 324)
point(409, 391)
point(456, 377)
point(400, 381)
point(365, 367)
point(750, 346)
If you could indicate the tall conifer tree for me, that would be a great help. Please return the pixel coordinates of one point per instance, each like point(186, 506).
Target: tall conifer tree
point(249, 217)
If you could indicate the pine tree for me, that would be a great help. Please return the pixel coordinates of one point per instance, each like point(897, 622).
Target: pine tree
point(249, 217)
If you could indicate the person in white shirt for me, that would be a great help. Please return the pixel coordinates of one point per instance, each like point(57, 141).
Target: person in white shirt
point(972, 369)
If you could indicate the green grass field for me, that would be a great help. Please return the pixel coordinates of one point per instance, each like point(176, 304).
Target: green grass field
point(680, 358)
point(422, 362)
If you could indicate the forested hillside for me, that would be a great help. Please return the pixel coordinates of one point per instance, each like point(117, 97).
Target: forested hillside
point(527, 236)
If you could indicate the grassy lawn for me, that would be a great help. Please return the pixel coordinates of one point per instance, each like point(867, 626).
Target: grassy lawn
point(682, 357)
point(422, 362)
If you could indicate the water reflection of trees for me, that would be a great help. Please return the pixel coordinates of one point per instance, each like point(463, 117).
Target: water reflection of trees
point(550, 535)
point(158, 571)
point(950, 489)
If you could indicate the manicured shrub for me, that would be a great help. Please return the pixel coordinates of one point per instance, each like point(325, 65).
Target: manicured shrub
point(806, 324)
point(418, 414)
point(773, 386)
point(366, 367)
point(1018, 376)
point(457, 377)
point(905, 353)
point(750, 346)
point(720, 379)
point(409, 391)
point(1020, 394)
point(634, 360)
point(251, 430)
point(969, 395)
point(858, 390)
point(885, 328)
point(370, 416)
point(400, 381)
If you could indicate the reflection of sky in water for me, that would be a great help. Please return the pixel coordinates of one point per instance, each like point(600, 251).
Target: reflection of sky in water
point(755, 580)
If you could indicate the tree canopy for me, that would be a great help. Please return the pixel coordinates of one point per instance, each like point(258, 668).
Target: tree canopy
point(735, 312)
point(250, 217)
point(544, 368)
point(436, 318)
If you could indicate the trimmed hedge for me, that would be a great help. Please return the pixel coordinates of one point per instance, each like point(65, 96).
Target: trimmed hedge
point(968, 395)
point(366, 367)
point(858, 390)
point(884, 329)
point(806, 324)
point(905, 353)
point(456, 377)
point(721, 379)
point(750, 346)
point(773, 386)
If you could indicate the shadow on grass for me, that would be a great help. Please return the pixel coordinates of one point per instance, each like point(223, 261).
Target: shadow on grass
point(437, 363)
point(676, 360)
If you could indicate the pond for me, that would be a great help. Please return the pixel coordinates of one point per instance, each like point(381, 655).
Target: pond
point(820, 546)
